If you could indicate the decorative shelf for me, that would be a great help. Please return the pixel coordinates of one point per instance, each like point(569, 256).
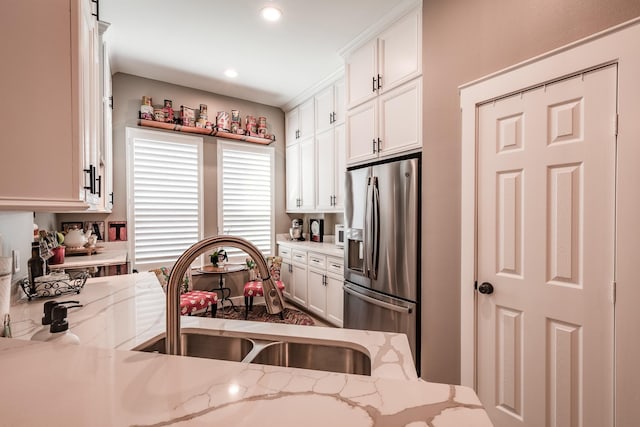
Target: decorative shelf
point(189, 129)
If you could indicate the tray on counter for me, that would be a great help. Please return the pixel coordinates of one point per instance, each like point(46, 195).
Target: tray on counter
point(83, 251)
point(54, 287)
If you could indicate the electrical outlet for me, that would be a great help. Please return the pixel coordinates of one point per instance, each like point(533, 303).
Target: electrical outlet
point(16, 260)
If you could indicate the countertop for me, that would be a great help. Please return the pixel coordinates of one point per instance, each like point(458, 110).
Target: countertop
point(326, 248)
point(105, 384)
point(107, 257)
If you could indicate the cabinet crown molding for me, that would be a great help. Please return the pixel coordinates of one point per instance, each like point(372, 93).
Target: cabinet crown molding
point(311, 91)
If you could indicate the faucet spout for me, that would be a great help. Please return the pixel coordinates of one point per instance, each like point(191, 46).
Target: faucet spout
point(272, 295)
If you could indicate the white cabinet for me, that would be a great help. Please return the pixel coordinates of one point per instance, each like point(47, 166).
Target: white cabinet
point(299, 277)
point(387, 61)
point(384, 93)
point(299, 122)
point(300, 176)
point(105, 185)
point(51, 115)
point(329, 107)
point(387, 125)
point(286, 271)
point(335, 294)
point(330, 169)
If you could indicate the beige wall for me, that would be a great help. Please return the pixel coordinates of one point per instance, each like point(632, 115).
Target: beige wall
point(464, 40)
point(127, 95)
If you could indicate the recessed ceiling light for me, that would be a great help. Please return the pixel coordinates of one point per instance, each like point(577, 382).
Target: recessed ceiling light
point(270, 13)
point(231, 73)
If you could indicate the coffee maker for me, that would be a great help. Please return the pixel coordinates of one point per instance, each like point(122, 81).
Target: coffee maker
point(296, 229)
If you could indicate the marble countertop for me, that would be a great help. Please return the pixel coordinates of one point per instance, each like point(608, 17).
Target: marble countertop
point(107, 257)
point(105, 384)
point(327, 248)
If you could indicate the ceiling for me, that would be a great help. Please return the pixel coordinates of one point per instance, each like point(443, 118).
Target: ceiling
point(192, 42)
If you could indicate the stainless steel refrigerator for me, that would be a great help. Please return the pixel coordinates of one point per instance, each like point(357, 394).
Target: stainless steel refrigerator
point(382, 248)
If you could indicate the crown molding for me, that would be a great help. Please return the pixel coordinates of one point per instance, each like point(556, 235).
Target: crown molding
point(310, 91)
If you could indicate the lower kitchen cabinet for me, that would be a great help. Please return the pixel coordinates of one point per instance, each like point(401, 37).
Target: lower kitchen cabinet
point(299, 278)
point(335, 294)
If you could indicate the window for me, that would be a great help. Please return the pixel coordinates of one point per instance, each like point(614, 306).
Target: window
point(245, 202)
point(164, 184)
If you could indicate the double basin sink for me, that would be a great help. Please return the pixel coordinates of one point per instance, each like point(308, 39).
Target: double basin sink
point(307, 355)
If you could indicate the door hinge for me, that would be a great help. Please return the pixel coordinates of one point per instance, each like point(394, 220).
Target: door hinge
point(613, 292)
point(475, 285)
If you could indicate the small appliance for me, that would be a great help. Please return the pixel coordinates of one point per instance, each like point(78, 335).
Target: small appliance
point(339, 235)
point(316, 230)
point(295, 232)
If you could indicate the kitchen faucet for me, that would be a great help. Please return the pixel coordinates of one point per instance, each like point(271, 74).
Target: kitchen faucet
point(272, 296)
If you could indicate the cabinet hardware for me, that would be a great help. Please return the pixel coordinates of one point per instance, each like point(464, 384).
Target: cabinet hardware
point(379, 82)
point(374, 146)
point(111, 196)
point(97, 14)
point(373, 85)
point(379, 144)
point(330, 118)
point(99, 179)
point(111, 102)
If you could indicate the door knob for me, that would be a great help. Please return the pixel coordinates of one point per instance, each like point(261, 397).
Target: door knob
point(485, 288)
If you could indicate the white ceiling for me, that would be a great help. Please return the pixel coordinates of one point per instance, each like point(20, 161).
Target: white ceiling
point(192, 42)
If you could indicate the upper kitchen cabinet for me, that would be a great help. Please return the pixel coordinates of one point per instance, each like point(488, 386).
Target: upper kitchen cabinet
point(105, 183)
point(385, 62)
point(330, 106)
point(51, 121)
point(299, 122)
point(300, 176)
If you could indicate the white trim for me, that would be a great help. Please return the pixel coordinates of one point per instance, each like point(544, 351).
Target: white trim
point(311, 91)
point(400, 10)
point(616, 45)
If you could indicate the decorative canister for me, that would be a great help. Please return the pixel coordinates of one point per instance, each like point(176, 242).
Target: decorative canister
point(158, 114)
point(262, 122)
point(223, 121)
point(203, 112)
point(235, 116)
point(146, 112)
point(234, 127)
point(146, 100)
point(251, 125)
point(168, 111)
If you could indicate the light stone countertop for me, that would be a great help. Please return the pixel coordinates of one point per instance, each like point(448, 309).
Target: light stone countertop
point(104, 384)
point(327, 248)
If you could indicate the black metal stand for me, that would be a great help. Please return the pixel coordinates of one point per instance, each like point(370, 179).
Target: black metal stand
point(224, 297)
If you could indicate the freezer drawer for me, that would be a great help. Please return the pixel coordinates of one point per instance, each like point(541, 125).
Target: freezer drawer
point(372, 311)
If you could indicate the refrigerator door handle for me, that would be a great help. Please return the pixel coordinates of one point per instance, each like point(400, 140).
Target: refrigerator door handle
point(393, 307)
point(366, 238)
point(375, 249)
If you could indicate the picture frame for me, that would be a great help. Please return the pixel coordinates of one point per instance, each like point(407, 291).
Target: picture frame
point(97, 227)
point(70, 225)
point(117, 231)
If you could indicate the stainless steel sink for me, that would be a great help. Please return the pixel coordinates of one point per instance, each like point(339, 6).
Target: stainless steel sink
point(314, 356)
point(322, 357)
point(197, 344)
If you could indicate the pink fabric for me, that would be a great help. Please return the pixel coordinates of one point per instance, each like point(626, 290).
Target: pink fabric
point(254, 289)
point(194, 301)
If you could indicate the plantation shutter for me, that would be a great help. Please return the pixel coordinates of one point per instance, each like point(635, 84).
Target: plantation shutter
point(165, 190)
point(246, 180)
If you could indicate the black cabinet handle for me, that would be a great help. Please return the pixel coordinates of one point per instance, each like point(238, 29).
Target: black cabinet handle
point(90, 172)
point(373, 85)
point(379, 82)
point(374, 145)
point(111, 196)
point(99, 185)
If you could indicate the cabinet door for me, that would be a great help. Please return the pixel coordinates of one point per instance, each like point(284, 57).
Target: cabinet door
point(106, 200)
point(361, 129)
point(335, 300)
point(286, 276)
point(360, 70)
point(299, 290)
point(399, 47)
point(339, 105)
point(307, 174)
point(292, 173)
point(306, 119)
point(291, 126)
point(340, 167)
point(401, 118)
point(40, 168)
point(317, 292)
point(325, 161)
point(324, 110)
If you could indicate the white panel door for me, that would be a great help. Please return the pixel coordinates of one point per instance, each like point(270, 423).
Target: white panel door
point(307, 174)
point(316, 293)
point(546, 194)
point(292, 174)
point(325, 161)
point(286, 276)
point(335, 300)
point(324, 109)
point(399, 58)
point(340, 167)
point(291, 126)
point(299, 290)
point(339, 106)
point(306, 119)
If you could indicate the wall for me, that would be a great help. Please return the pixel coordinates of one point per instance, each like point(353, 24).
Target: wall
point(463, 41)
point(16, 231)
point(127, 95)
